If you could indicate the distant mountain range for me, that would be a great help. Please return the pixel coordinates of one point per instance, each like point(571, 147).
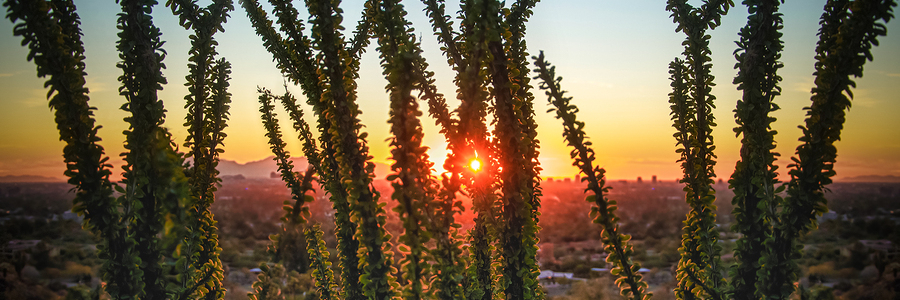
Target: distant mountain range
point(263, 168)
point(29, 178)
point(870, 178)
point(259, 168)
point(255, 169)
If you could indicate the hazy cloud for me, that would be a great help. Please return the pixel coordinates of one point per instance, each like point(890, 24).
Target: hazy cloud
point(645, 161)
point(861, 98)
point(96, 85)
point(51, 167)
point(850, 167)
point(35, 98)
point(804, 85)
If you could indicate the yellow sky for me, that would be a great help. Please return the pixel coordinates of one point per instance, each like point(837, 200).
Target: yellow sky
point(612, 54)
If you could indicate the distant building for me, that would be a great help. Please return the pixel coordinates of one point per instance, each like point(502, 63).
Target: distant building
point(70, 216)
point(547, 274)
point(21, 245)
point(604, 271)
point(653, 179)
point(879, 245)
point(16, 246)
point(830, 215)
point(640, 180)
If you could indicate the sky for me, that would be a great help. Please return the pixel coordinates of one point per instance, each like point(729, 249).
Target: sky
point(613, 56)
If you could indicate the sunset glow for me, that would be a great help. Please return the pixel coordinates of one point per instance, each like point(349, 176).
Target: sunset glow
point(625, 89)
point(475, 165)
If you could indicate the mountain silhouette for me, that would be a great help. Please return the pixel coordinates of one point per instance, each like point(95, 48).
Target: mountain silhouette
point(263, 168)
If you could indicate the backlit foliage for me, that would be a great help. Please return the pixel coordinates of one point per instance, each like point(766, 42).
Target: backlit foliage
point(849, 31)
point(289, 245)
point(698, 270)
point(604, 213)
point(489, 57)
point(53, 36)
point(207, 104)
point(754, 180)
point(161, 224)
point(158, 239)
point(770, 225)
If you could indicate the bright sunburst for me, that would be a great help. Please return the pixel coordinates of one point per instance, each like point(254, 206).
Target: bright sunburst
point(475, 165)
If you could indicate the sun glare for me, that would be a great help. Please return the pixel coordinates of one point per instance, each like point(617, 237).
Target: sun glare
point(475, 165)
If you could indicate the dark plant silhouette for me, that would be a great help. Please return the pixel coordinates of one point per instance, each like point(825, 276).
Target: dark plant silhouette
point(139, 249)
point(141, 252)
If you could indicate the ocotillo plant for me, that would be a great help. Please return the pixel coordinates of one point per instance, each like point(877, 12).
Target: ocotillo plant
point(53, 35)
point(285, 244)
point(698, 271)
point(467, 139)
point(358, 214)
point(320, 265)
point(849, 31)
point(414, 186)
point(484, 56)
point(604, 213)
point(770, 225)
point(754, 180)
point(207, 104)
point(493, 41)
point(487, 55)
point(138, 251)
point(269, 286)
point(289, 246)
point(294, 58)
point(153, 180)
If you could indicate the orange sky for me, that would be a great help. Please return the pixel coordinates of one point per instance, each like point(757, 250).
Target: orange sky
point(613, 56)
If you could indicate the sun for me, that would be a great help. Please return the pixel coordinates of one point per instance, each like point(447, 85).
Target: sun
point(475, 165)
